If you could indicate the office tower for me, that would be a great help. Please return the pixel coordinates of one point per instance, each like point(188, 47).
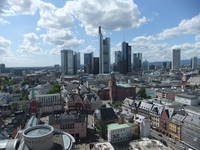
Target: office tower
point(100, 51)
point(126, 57)
point(76, 62)
point(194, 63)
point(176, 59)
point(2, 68)
point(104, 46)
point(164, 65)
point(145, 66)
point(88, 62)
point(67, 62)
point(137, 62)
point(118, 59)
point(95, 67)
point(106, 55)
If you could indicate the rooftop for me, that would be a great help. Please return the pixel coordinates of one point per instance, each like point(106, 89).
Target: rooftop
point(103, 146)
point(124, 85)
point(148, 144)
point(115, 126)
point(187, 96)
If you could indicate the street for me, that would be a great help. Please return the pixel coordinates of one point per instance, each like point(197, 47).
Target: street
point(176, 145)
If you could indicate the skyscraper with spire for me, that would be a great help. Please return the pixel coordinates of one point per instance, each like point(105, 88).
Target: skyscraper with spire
point(104, 50)
point(100, 51)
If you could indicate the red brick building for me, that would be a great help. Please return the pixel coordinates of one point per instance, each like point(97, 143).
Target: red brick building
point(120, 91)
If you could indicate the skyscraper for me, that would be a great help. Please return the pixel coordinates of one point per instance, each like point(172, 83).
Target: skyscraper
point(67, 62)
point(137, 62)
point(126, 57)
point(76, 62)
point(118, 59)
point(2, 68)
point(176, 59)
point(100, 51)
point(106, 55)
point(104, 50)
point(194, 63)
point(145, 66)
point(95, 66)
point(88, 62)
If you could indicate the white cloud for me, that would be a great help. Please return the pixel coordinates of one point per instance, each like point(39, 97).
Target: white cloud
point(58, 23)
point(4, 46)
point(110, 14)
point(154, 49)
point(19, 7)
point(88, 49)
point(52, 17)
point(30, 44)
point(197, 38)
point(61, 38)
point(190, 26)
point(3, 21)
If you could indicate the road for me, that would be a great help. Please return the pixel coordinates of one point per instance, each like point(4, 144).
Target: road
point(176, 145)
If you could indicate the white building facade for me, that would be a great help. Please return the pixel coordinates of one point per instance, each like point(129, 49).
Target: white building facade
point(187, 99)
point(49, 103)
point(119, 133)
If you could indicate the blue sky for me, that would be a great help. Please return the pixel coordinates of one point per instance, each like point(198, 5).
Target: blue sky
point(32, 32)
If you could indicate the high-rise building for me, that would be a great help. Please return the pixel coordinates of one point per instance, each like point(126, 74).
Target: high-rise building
point(100, 51)
point(88, 62)
point(104, 46)
point(194, 63)
point(76, 62)
point(2, 68)
point(67, 62)
point(145, 66)
point(126, 57)
point(176, 59)
point(164, 65)
point(95, 67)
point(118, 59)
point(106, 55)
point(137, 62)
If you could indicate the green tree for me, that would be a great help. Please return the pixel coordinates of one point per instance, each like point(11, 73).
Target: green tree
point(55, 89)
point(101, 128)
point(142, 93)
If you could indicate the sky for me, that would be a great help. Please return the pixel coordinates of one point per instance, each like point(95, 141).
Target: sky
point(32, 32)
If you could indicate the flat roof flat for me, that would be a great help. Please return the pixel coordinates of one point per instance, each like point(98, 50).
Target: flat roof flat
point(115, 126)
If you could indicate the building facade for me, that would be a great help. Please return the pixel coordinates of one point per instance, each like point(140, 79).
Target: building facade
point(118, 60)
point(194, 63)
point(95, 66)
point(126, 57)
point(74, 124)
point(120, 91)
point(67, 62)
point(176, 59)
point(48, 103)
point(106, 55)
point(88, 62)
point(119, 132)
point(187, 99)
point(104, 46)
point(76, 62)
point(137, 62)
point(2, 68)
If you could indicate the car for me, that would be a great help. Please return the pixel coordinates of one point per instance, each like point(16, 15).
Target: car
point(160, 135)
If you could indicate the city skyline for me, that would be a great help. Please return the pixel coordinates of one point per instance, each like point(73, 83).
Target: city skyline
point(33, 33)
